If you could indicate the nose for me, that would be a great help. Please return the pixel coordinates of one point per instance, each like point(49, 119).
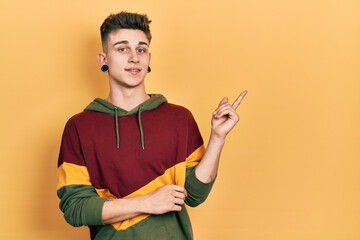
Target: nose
point(134, 58)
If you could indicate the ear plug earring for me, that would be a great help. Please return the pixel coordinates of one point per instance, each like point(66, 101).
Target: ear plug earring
point(104, 68)
point(149, 69)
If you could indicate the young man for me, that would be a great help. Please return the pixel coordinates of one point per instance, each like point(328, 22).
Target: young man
point(128, 163)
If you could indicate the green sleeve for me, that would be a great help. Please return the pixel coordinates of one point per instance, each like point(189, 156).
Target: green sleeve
point(81, 205)
point(197, 190)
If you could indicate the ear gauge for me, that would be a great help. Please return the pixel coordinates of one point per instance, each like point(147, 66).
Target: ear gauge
point(149, 69)
point(104, 68)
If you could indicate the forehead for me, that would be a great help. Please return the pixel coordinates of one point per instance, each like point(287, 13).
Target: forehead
point(133, 36)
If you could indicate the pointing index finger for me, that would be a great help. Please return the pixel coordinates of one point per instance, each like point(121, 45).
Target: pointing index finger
point(238, 100)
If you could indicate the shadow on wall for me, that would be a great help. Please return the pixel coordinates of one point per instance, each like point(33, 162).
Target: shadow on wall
point(92, 78)
point(50, 221)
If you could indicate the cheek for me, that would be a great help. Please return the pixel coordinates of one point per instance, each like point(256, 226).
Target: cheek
point(146, 59)
point(115, 62)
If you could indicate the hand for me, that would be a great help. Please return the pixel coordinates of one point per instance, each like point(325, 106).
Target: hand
point(225, 117)
point(165, 199)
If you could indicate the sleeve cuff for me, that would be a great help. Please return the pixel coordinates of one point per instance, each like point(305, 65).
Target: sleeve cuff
point(200, 188)
point(197, 190)
point(93, 211)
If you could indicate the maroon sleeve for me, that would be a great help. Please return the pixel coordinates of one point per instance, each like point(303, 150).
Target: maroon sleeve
point(70, 150)
point(194, 137)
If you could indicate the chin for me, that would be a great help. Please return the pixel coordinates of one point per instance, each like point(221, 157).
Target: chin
point(132, 82)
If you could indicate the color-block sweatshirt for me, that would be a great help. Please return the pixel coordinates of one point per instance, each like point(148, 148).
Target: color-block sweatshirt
point(107, 152)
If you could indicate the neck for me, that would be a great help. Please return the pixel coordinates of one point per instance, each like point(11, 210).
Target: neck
point(127, 99)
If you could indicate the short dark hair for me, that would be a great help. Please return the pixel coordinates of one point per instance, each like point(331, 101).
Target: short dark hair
point(124, 20)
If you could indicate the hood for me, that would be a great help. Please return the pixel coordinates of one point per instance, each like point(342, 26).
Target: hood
point(100, 105)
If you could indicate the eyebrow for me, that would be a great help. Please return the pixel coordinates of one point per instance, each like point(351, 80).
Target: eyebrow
point(127, 42)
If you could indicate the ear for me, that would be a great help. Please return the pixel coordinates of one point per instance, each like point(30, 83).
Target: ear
point(102, 58)
point(149, 58)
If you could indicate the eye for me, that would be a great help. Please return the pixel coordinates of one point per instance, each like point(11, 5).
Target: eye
point(141, 50)
point(122, 49)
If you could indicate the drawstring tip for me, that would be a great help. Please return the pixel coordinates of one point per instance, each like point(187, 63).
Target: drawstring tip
point(143, 148)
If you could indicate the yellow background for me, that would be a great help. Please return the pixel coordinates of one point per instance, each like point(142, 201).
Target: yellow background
point(290, 169)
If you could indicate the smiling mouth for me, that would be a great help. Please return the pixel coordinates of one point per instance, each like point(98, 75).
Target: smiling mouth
point(133, 70)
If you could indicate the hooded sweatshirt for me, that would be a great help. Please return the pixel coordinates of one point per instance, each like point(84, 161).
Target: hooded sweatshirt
point(108, 152)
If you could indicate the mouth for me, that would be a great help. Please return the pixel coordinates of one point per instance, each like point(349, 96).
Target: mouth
point(133, 70)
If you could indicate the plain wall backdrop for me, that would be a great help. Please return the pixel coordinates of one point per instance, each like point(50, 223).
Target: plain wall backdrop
point(289, 170)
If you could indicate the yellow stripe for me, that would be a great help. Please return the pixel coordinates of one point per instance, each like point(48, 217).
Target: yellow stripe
point(105, 193)
point(69, 174)
point(195, 157)
point(174, 175)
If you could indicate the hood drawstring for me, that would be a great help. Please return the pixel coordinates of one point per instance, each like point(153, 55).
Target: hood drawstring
point(117, 127)
point(140, 126)
point(103, 106)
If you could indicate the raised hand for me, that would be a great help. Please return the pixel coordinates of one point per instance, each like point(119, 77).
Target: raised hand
point(225, 117)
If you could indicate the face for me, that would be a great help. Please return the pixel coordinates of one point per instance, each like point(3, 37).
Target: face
point(127, 56)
